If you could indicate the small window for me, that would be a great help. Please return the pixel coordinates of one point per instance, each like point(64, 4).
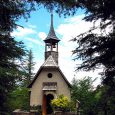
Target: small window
point(49, 75)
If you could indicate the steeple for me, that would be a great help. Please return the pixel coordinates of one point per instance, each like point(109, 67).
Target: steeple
point(51, 34)
point(51, 43)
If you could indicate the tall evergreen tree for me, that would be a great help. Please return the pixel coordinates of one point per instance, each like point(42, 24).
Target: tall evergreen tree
point(96, 49)
point(105, 104)
point(28, 69)
point(10, 51)
point(20, 92)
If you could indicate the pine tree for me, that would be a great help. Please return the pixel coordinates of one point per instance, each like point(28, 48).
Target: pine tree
point(28, 69)
point(10, 52)
point(30, 66)
point(97, 50)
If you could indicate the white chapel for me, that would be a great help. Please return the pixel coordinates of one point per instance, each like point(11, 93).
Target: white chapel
point(49, 81)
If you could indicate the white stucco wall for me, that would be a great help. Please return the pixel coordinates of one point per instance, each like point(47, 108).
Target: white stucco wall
point(36, 90)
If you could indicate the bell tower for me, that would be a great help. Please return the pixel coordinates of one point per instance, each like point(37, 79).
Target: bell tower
point(49, 81)
point(51, 43)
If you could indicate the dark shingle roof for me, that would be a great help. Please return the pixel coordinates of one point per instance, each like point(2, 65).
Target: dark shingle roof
point(51, 34)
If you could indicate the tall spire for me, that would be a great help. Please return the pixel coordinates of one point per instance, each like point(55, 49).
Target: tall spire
point(51, 43)
point(52, 19)
point(51, 34)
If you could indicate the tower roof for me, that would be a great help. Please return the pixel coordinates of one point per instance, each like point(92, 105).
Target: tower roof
point(51, 35)
point(50, 62)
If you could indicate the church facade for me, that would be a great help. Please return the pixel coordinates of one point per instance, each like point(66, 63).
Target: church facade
point(49, 81)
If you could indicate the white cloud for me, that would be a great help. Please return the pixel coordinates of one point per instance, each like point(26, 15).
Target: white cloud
point(32, 40)
point(93, 74)
point(68, 30)
point(22, 32)
point(73, 27)
point(42, 35)
point(75, 19)
point(38, 63)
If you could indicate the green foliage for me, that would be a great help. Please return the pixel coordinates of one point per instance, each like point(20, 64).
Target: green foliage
point(95, 102)
point(10, 54)
point(11, 51)
point(27, 69)
point(11, 72)
point(20, 93)
point(106, 100)
point(82, 90)
point(19, 99)
point(67, 7)
point(97, 50)
point(60, 103)
point(11, 11)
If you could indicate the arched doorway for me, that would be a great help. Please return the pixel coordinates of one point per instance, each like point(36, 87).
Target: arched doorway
point(49, 109)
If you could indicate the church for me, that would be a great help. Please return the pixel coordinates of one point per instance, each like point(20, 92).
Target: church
point(49, 81)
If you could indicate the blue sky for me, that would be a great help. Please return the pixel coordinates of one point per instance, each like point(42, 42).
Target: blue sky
point(37, 28)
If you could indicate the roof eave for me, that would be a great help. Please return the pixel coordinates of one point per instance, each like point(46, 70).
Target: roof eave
point(48, 40)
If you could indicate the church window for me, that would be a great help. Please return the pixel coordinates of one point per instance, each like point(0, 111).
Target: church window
point(49, 75)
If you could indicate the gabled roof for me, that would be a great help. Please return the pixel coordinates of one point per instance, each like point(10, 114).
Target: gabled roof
point(49, 63)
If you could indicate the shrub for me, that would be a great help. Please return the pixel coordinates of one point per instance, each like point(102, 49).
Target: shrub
point(60, 103)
